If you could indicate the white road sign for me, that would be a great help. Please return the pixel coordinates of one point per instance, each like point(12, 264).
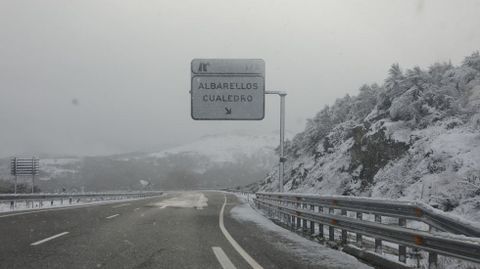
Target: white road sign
point(228, 89)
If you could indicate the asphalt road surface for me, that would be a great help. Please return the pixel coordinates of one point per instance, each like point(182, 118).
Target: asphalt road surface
point(175, 230)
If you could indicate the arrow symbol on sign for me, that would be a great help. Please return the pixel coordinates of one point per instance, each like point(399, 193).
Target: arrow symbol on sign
point(228, 111)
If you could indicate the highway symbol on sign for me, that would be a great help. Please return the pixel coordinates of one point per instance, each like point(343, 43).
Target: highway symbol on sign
point(228, 89)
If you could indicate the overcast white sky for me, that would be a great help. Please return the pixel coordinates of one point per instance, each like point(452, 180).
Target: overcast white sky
point(126, 63)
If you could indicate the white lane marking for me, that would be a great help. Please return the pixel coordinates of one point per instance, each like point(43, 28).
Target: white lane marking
point(136, 209)
point(254, 264)
point(48, 239)
point(222, 258)
point(112, 216)
point(122, 205)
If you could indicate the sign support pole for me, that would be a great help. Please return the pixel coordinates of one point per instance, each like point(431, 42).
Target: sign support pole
point(281, 165)
point(24, 167)
point(33, 174)
point(16, 177)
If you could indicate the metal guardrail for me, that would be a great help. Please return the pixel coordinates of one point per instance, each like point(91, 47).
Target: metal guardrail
point(30, 199)
point(305, 211)
point(400, 209)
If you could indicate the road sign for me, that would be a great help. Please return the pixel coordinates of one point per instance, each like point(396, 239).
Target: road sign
point(228, 89)
point(24, 166)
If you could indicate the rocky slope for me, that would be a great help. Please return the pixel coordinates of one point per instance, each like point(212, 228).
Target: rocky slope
point(415, 137)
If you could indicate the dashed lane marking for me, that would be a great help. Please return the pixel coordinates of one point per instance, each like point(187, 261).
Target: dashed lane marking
point(112, 216)
point(222, 258)
point(48, 239)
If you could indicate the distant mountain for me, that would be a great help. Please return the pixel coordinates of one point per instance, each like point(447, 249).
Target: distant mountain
point(214, 161)
point(416, 137)
point(226, 148)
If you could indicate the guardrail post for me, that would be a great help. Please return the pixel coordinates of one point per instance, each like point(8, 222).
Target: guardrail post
point(291, 219)
point(378, 242)
point(331, 229)
point(312, 224)
point(51, 203)
point(281, 216)
point(285, 215)
point(320, 226)
point(304, 221)
point(432, 260)
point(298, 219)
point(402, 250)
point(359, 236)
point(432, 257)
point(12, 205)
point(70, 200)
point(344, 232)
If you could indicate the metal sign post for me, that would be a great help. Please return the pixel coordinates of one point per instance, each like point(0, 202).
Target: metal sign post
point(16, 177)
point(281, 165)
point(24, 167)
point(33, 175)
point(233, 89)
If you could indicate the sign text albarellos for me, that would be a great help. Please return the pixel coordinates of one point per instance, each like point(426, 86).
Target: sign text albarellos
point(228, 89)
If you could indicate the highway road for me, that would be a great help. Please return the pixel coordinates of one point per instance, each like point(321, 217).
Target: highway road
point(175, 230)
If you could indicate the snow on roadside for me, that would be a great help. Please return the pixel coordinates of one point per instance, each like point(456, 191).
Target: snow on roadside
point(196, 200)
point(307, 250)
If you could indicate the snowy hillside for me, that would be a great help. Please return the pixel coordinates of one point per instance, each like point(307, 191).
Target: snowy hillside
point(226, 148)
point(56, 167)
point(415, 137)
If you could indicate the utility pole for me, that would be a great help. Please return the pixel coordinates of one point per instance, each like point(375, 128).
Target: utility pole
point(281, 165)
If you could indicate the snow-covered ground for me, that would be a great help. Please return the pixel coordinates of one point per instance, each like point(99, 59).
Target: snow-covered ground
point(196, 200)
